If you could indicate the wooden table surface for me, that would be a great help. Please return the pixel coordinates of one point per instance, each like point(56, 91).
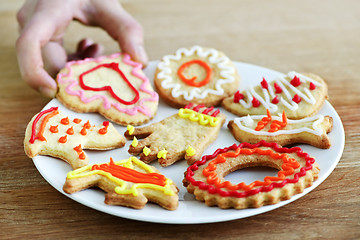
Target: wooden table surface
point(307, 36)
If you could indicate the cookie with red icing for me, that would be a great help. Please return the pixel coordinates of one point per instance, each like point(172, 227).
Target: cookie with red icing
point(205, 178)
point(198, 75)
point(114, 86)
point(128, 182)
point(184, 135)
point(311, 130)
point(51, 133)
point(298, 95)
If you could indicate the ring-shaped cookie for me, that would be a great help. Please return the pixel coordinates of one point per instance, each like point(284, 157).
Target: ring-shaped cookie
point(205, 178)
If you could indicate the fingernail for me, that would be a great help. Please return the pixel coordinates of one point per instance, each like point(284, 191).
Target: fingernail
point(141, 55)
point(47, 92)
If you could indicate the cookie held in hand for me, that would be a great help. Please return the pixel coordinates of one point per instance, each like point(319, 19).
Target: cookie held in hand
point(312, 130)
point(51, 133)
point(113, 85)
point(181, 136)
point(128, 182)
point(198, 75)
point(299, 95)
point(205, 178)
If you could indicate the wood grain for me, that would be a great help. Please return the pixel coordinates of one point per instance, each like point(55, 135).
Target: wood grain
point(307, 36)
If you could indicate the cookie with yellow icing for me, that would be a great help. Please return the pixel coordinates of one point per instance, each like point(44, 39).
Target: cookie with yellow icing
point(311, 130)
point(51, 133)
point(114, 86)
point(181, 136)
point(198, 75)
point(128, 182)
point(299, 95)
point(205, 178)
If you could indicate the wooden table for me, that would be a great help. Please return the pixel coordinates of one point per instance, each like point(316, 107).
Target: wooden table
point(307, 36)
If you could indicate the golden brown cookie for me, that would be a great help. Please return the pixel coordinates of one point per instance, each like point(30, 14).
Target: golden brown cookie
point(113, 85)
point(198, 75)
point(128, 182)
point(312, 130)
point(181, 136)
point(205, 178)
point(51, 133)
point(299, 95)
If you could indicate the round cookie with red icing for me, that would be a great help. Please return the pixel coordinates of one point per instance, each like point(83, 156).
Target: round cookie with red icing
point(198, 75)
point(298, 95)
point(114, 86)
point(205, 178)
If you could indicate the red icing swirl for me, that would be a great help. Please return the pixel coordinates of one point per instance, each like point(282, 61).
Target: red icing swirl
point(239, 194)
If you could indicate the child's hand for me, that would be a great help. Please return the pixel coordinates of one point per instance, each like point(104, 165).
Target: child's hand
point(42, 23)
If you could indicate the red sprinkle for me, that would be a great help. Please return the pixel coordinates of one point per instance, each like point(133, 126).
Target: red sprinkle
point(296, 81)
point(275, 100)
point(238, 96)
point(296, 98)
point(265, 84)
point(106, 123)
point(312, 86)
point(278, 89)
point(255, 102)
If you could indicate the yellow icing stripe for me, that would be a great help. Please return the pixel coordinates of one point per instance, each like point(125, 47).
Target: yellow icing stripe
point(190, 151)
point(202, 119)
point(123, 187)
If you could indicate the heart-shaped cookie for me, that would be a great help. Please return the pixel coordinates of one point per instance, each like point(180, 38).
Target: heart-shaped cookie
point(112, 85)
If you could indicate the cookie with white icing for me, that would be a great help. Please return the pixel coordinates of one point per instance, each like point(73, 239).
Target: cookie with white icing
point(114, 86)
point(51, 133)
point(299, 95)
point(311, 130)
point(198, 75)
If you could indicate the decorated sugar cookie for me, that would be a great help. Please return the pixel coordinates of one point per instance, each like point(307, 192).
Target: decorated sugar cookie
point(312, 130)
point(299, 95)
point(198, 75)
point(181, 136)
point(128, 182)
point(114, 86)
point(205, 178)
point(51, 133)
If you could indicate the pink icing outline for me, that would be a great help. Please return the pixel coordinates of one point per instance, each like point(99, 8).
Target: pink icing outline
point(106, 101)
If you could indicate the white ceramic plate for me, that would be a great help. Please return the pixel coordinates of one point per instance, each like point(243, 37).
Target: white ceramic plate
point(189, 210)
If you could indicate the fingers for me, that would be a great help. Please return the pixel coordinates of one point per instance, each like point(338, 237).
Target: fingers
point(142, 132)
point(41, 32)
point(121, 26)
point(86, 48)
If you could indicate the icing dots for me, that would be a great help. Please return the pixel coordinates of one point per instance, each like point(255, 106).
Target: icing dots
point(280, 91)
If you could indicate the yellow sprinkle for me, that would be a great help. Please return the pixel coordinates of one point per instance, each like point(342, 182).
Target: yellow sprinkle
point(131, 129)
point(134, 142)
point(190, 151)
point(146, 151)
point(162, 154)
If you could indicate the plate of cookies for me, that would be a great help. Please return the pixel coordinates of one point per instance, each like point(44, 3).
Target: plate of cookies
point(192, 138)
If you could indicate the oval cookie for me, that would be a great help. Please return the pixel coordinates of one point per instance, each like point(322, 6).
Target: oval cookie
point(198, 75)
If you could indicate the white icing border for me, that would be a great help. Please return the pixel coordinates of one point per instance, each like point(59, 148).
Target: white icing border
point(244, 122)
point(212, 54)
point(269, 93)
